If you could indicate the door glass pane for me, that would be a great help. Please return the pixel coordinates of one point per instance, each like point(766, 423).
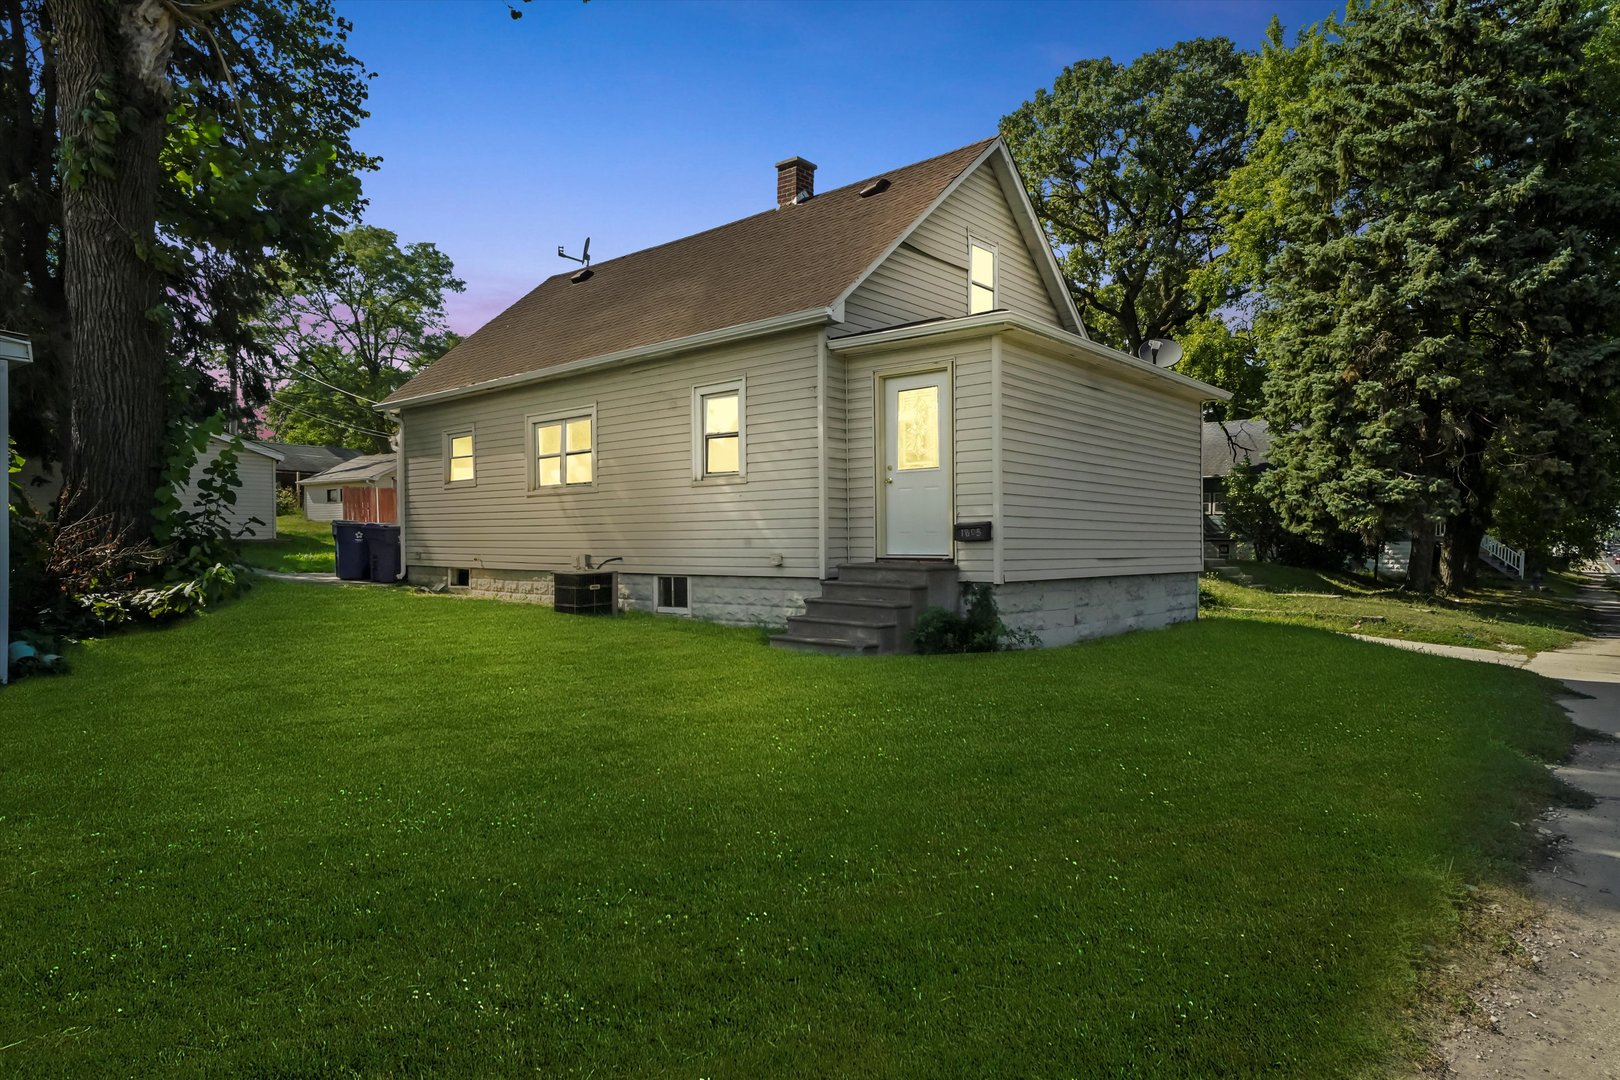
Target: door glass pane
point(720, 414)
point(461, 469)
point(461, 446)
point(548, 439)
point(579, 435)
point(917, 428)
point(579, 468)
point(722, 455)
point(984, 266)
point(982, 299)
point(550, 471)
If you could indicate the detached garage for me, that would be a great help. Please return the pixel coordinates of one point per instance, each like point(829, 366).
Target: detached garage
point(255, 493)
point(358, 490)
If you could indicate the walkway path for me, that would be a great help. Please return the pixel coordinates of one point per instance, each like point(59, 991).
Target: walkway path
point(1562, 1017)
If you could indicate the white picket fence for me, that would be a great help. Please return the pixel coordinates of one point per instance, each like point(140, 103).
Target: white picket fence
point(1512, 558)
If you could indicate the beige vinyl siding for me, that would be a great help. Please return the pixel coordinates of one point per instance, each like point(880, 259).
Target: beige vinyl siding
point(644, 504)
point(926, 277)
point(971, 423)
point(1100, 473)
point(255, 495)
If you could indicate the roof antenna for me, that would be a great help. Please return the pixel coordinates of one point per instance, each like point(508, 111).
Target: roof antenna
point(584, 259)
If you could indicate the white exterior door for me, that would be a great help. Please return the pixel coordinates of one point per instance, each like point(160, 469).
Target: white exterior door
point(914, 490)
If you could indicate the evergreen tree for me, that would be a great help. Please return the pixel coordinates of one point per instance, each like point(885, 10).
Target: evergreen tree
point(1436, 244)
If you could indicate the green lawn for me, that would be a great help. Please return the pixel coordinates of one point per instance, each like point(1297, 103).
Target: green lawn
point(1501, 615)
point(301, 546)
point(343, 832)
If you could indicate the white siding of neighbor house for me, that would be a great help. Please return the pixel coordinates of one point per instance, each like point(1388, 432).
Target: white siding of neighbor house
point(645, 505)
point(973, 484)
point(1100, 472)
point(316, 508)
point(255, 496)
point(926, 276)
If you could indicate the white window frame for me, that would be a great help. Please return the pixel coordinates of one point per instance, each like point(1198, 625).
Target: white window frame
point(995, 273)
point(531, 449)
point(331, 491)
point(699, 434)
point(658, 584)
point(450, 437)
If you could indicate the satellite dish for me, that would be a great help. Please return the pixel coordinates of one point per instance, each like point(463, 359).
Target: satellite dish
point(1160, 352)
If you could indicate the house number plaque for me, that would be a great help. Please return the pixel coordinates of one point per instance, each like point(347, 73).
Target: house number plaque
point(972, 532)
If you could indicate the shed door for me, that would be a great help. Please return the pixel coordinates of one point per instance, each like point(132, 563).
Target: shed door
point(914, 491)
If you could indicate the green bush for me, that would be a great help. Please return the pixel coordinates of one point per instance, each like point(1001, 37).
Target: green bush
point(978, 629)
point(287, 500)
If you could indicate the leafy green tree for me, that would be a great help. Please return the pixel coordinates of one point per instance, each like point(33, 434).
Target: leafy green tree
point(162, 165)
point(1438, 316)
point(350, 336)
point(1123, 163)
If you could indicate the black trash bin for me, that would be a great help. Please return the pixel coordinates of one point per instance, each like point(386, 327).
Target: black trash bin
point(353, 553)
point(383, 540)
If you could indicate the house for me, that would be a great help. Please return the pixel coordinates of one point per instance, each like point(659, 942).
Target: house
point(843, 407)
point(360, 489)
point(299, 461)
point(1227, 443)
point(253, 515)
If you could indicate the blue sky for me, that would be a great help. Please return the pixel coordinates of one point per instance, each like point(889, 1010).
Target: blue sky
point(636, 123)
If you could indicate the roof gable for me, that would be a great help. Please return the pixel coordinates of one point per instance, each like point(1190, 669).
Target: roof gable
point(798, 258)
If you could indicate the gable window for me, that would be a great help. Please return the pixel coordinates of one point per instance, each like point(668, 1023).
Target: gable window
point(981, 277)
point(458, 457)
point(564, 451)
point(717, 431)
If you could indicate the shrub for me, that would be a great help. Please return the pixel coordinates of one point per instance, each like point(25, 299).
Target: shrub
point(287, 500)
point(978, 629)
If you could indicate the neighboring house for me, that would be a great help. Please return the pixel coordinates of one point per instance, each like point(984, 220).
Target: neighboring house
point(361, 489)
point(893, 370)
point(299, 461)
point(255, 493)
point(1226, 443)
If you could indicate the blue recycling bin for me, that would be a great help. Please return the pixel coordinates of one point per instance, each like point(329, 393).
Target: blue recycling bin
point(383, 544)
point(353, 552)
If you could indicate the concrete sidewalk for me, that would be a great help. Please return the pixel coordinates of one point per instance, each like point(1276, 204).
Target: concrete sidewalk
point(1563, 1019)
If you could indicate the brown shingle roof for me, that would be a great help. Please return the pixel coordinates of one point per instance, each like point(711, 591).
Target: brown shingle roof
point(776, 263)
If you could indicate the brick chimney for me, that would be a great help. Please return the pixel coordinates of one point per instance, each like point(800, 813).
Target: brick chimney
point(793, 176)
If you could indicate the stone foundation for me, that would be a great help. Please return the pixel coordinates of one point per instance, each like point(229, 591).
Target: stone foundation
point(1074, 609)
point(736, 601)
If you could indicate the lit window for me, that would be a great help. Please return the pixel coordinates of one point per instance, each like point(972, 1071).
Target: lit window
point(563, 452)
point(717, 428)
point(458, 458)
point(672, 595)
point(981, 278)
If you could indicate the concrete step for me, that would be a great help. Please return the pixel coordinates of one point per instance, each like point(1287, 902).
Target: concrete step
point(830, 646)
point(914, 573)
point(839, 589)
point(855, 608)
point(883, 632)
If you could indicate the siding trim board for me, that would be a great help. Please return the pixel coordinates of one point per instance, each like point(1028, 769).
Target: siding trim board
point(659, 351)
point(1029, 331)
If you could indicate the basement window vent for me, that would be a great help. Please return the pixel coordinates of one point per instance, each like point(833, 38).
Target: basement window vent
point(672, 596)
point(876, 187)
point(460, 579)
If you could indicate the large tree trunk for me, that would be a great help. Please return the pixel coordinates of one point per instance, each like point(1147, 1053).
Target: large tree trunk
point(121, 49)
point(1420, 564)
point(1459, 554)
